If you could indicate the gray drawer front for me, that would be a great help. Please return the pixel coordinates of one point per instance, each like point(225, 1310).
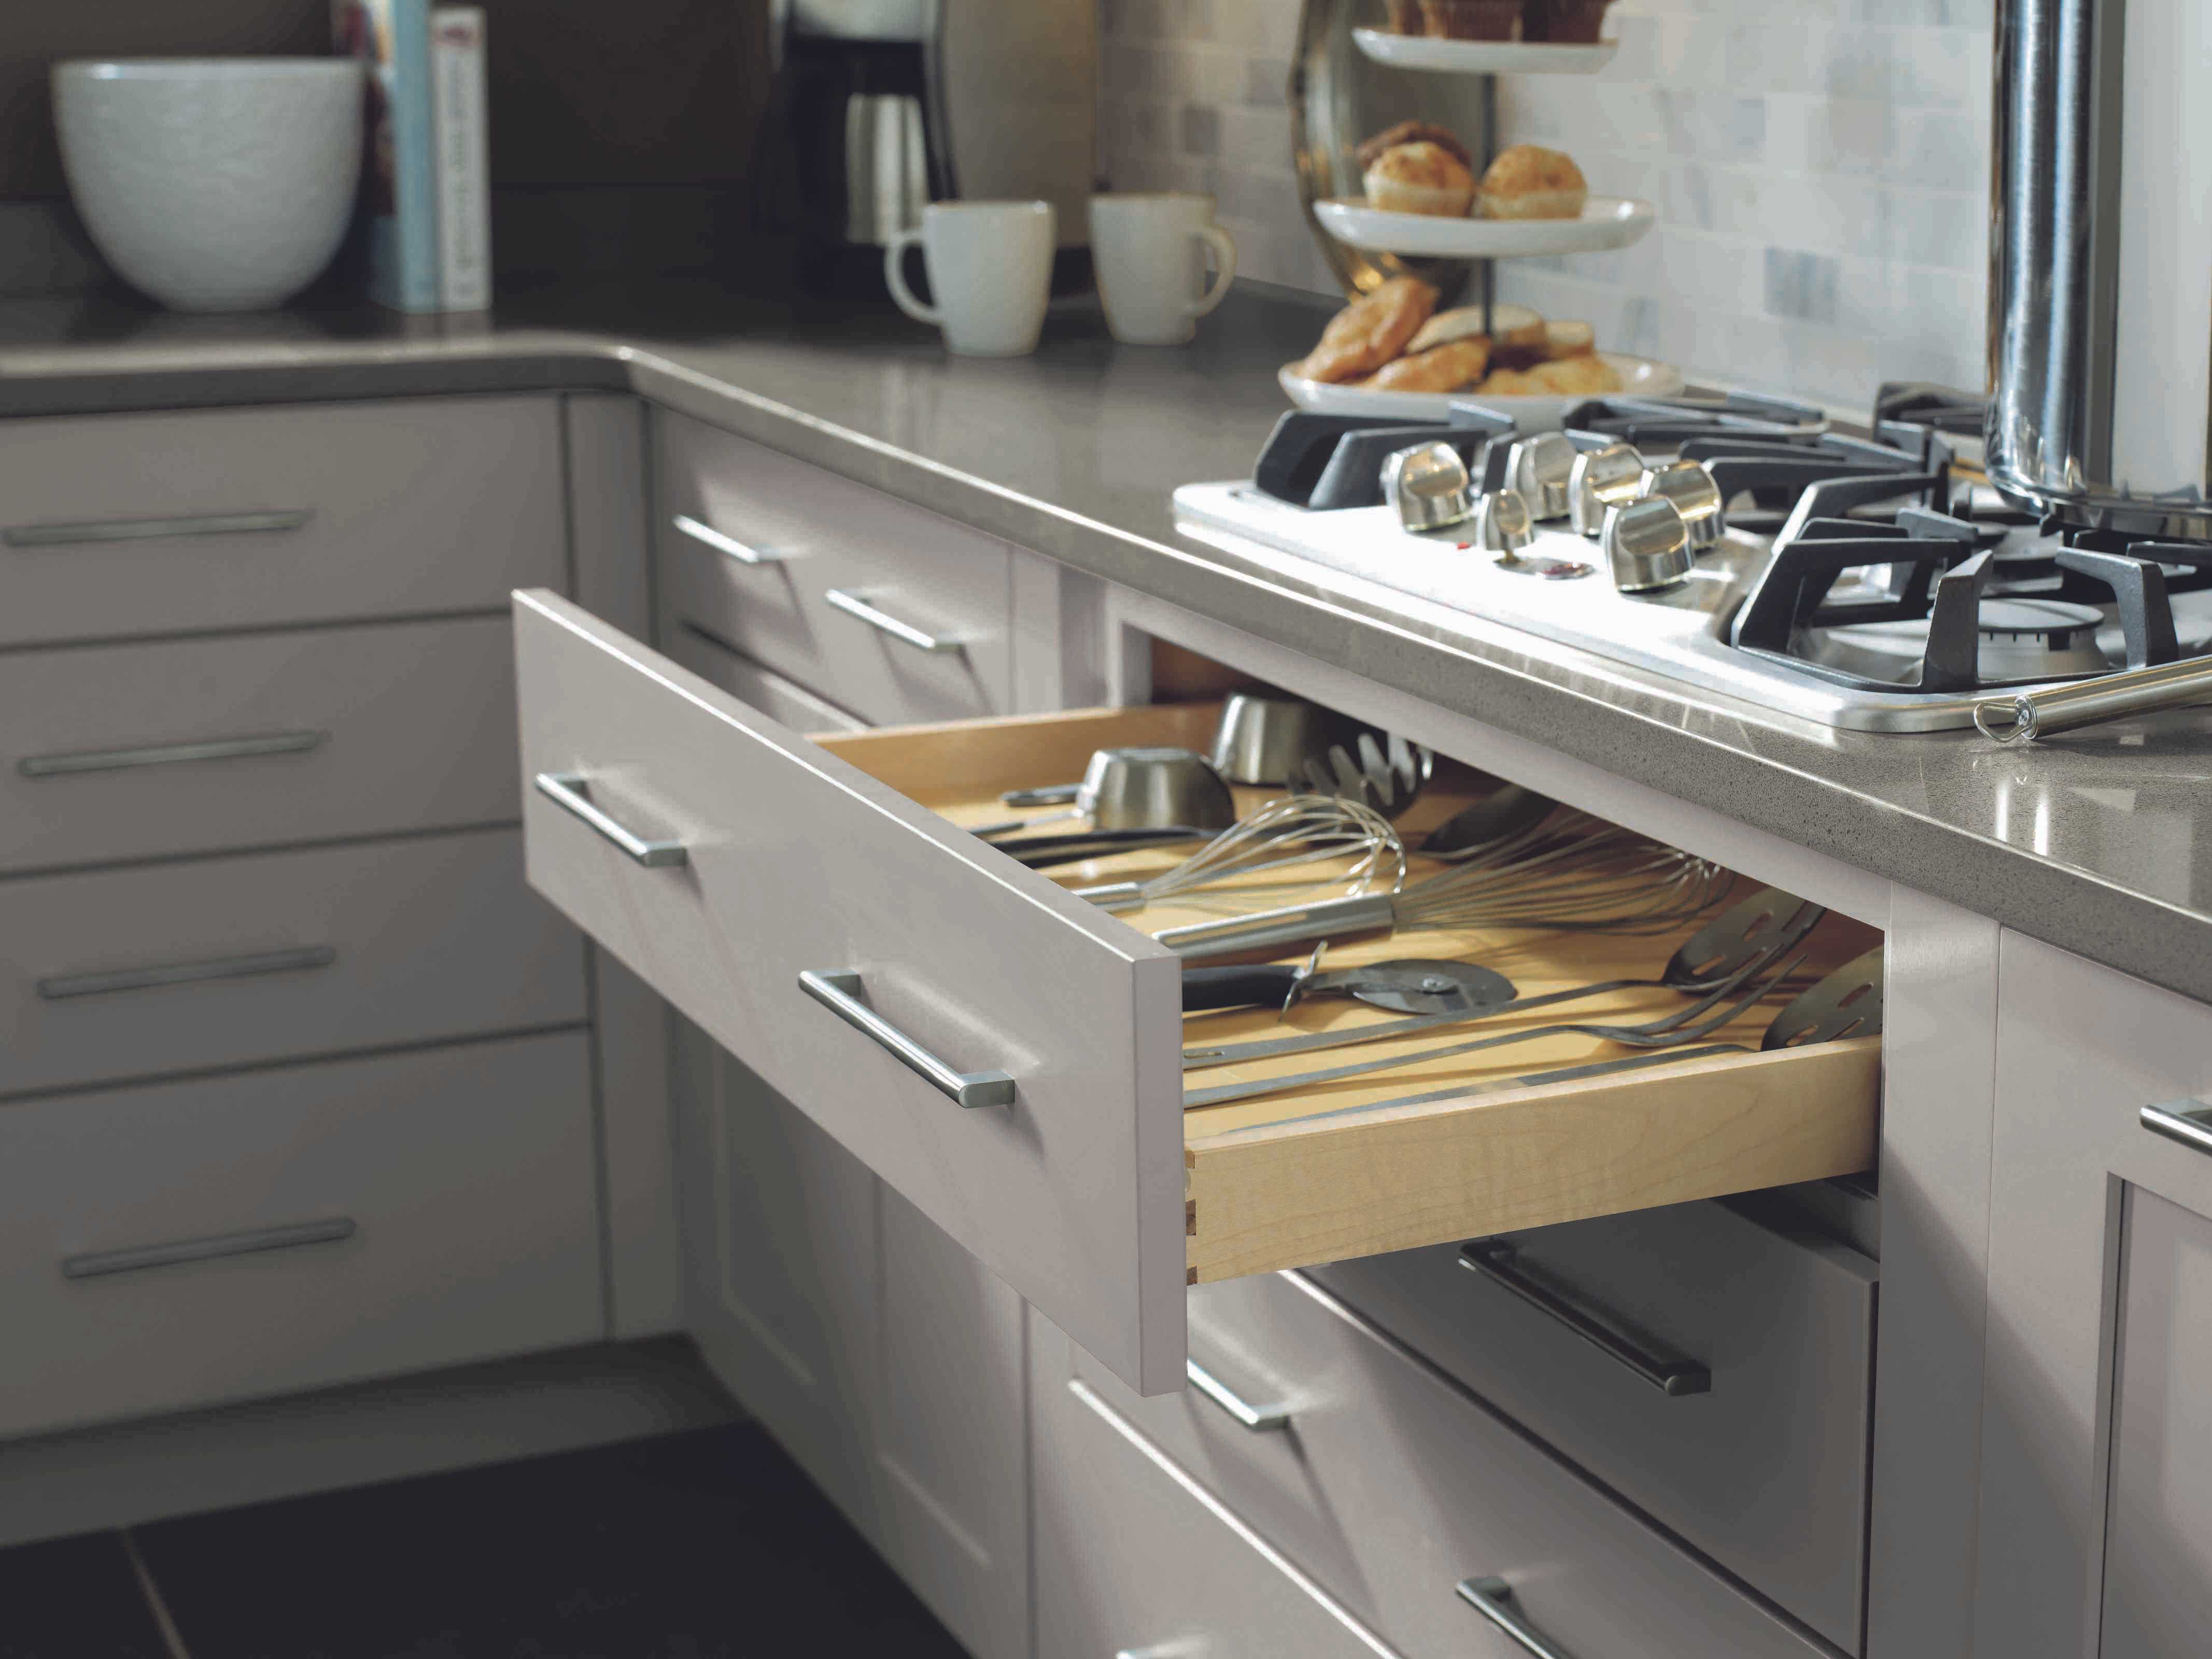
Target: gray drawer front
point(201, 746)
point(1390, 1487)
point(781, 699)
point(179, 1244)
point(1133, 1558)
point(1767, 1472)
point(816, 533)
point(126, 524)
point(173, 967)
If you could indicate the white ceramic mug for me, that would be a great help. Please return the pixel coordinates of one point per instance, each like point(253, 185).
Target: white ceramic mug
point(1150, 252)
point(990, 267)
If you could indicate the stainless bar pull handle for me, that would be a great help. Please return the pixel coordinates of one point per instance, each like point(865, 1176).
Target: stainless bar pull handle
point(566, 790)
point(172, 754)
point(59, 987)
point(1260, 1419)
point(1493, 1599)
point(2189, 1121)
point(838, 989)
point(730, 546)
point(101, 1264)
point(852, 604)
point(150, 529)
point(1670, 1373)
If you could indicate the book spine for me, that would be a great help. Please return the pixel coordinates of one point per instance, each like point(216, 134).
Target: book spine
point(457, 75)
point(413, 279)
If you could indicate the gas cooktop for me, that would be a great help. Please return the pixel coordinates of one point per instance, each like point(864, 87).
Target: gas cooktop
point(1866, 583)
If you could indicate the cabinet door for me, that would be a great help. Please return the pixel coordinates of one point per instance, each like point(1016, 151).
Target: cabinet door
point(2096, 1531)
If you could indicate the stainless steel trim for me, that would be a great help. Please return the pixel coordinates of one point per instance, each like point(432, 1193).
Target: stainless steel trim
point(566, 791)
point(853, 604)
point(2189, 1121)
point(839, 990)
point(59, 987)
point(1670, 1373)
point(728, 545)
point(147, 530)
point(1260, 1419)
point(1493, 1599)
point(171, 754)
point(101, 1264)
point(2027, 715)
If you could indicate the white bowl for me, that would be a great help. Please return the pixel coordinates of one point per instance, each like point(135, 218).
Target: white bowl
point(213, 183)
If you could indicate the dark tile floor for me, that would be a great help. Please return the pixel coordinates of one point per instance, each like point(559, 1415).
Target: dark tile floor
point(708, 1545)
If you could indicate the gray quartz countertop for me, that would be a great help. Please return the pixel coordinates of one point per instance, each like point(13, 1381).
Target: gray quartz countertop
point(2101, 842)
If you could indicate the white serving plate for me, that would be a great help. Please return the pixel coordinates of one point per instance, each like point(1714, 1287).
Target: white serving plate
point(1607, 222)
point(1639, 377)
point(1424, 52)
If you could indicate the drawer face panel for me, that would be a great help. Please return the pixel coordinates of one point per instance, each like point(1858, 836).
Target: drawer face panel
point(722, 856)
point(1766, 1472)
point(172, 967)
point(184, 1243)
point(781, 700)
point(811, 534)
point(1131, 1560)
point(125, 524)
point(1390, 1487)
point(198, 745)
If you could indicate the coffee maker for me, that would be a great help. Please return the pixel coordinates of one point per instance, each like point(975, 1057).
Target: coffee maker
point(879, 108)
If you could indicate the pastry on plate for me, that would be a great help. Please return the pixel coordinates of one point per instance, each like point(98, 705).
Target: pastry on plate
point(1589, 376)
point(1443, 369)
point(1422, 177)
point(1413, 132)
point(1512, 328)
point(1530, 182)
point(1370, 331)
point(1472, 20)
point(1565, 339)
point(1507, 383)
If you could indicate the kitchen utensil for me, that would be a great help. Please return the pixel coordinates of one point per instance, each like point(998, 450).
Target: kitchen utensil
point(1646, 544)
point(1146, 788)
point(1505, 1085)
point(1388, 773)
point(1042, 852)
point(990, 269)
point(2031, 714)
point(213, 183)
point(1297, 829)
point(1149, 251)
point(1606, 880)
point(1676, 1030)
point(1268, 740)
point(1412, 985)
point(1717, 958)
point(1845, 1003)
point(1505, 813)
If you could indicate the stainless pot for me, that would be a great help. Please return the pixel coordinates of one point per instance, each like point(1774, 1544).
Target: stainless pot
point(2100, 295)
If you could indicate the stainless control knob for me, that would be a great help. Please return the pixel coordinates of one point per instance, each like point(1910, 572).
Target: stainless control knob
point(1428, 487)
point(1502, 524)
point(1539, 467)
point(1647, 544)
point(1690, 486)
point(1603, 479)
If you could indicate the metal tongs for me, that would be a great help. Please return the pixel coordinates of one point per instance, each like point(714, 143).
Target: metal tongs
point(2033, 715)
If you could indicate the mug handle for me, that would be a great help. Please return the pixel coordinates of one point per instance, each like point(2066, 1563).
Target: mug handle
point(1224, 268)
point(895, 279)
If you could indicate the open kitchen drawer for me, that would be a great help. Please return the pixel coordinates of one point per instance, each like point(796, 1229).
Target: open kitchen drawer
point(721, 857)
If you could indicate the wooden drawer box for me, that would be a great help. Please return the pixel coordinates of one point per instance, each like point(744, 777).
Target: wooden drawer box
point(721, 856)
point(1765, 1468)
point(752, 546)
point(119, 752)
point(177, 967)
point(179, 1244)
point(1391, 1488)
point(125, 524)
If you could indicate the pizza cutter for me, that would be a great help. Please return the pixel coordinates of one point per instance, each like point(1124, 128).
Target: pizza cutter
point(1410, 986)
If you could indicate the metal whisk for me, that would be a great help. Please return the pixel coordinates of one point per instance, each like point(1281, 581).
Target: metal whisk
point(1571, 872)
point(1297, 830)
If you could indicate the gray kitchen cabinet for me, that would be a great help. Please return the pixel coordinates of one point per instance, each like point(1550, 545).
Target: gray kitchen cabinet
point(2096, 1523)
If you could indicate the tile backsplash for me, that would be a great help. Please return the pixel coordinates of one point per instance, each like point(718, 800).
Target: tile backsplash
point(1820, 169)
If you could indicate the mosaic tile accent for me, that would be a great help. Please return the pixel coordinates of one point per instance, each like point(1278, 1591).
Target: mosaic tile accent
point(1821, 169)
